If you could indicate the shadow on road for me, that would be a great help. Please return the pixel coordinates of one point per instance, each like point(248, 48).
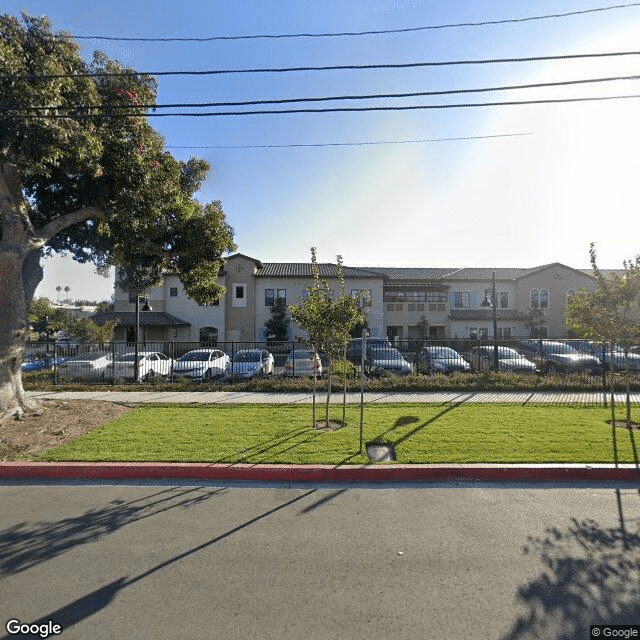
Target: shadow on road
point(88, 605)
point(26, 545)
point(590, 574)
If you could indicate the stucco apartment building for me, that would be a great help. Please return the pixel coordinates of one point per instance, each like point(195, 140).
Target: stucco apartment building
point(528, 301)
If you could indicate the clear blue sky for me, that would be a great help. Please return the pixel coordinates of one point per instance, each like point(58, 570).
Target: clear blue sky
point(521, 200)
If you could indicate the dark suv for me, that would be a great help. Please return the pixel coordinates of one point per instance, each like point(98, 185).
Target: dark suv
point(354, 348)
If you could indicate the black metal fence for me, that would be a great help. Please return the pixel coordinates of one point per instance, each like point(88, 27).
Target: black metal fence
point(116, 362)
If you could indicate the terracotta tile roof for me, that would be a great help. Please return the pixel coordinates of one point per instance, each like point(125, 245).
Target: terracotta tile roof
point(303, 270)
point(147, 319)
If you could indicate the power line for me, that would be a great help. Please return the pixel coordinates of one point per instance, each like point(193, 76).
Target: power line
point(464, 105)
point(456, 25)
point(350, 67)
point(379, 96)
point(353, 144)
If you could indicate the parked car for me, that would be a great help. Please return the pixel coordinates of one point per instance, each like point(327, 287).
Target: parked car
point(90, 366)
point(354, 348)
point(438, 359)
point(151, 365)
point(201, 364)
point(383, 360)
point(603, 353)
point(509, 360)
point(552, 355)
point(249, 363)
point(303, 362)
point(66, 345)
point(40, 361)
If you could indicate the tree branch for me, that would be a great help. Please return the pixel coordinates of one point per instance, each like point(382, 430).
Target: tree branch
point(54, 227)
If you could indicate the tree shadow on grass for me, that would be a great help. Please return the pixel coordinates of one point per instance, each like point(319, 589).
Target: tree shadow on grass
point(404, 421)
point(26, 545)
point(590, 575)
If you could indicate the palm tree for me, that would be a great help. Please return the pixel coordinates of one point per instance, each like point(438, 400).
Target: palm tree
point(66, 290)
point(58, 289)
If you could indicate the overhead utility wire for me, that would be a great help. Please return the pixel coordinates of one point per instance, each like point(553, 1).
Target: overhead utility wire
point(463, 105)
point(348, 67)
point(379, 96)
point(350, 144)
point(456, 25)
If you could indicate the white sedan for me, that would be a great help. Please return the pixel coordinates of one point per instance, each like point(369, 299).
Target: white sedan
point(88, 366)
point(201, 364)
point(151, 365)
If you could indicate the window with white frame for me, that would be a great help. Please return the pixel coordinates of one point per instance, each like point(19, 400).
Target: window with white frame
point(539, 299)
point(269, 298)
point(239, 295)
point(462, 300)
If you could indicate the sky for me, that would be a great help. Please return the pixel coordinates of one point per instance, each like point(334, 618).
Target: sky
point(490, 186)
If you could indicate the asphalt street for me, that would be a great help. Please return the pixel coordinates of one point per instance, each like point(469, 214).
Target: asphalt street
point(231, 562)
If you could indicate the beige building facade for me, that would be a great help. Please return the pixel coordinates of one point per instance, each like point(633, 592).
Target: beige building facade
point(405, 303)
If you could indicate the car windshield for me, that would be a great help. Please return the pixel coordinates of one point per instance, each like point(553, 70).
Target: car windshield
point(386, 354)
point(199, 356)
point(508, 352)
point(558, 347)
point(247, 356)
point(302, 355)
point(130, 357)
point(442, 352)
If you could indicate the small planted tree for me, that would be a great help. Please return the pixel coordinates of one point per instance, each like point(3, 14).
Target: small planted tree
point(328, 321)
point(609, 314)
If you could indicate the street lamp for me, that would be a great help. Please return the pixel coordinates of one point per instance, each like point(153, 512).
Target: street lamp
point(492, 303)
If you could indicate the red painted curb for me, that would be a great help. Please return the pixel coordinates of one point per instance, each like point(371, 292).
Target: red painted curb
point(460, 474)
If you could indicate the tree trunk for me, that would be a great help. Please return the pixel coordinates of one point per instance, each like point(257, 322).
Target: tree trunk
point(20, 273)
point(14, 327)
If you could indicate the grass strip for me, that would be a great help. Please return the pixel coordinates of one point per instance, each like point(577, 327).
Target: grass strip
point(420, 433)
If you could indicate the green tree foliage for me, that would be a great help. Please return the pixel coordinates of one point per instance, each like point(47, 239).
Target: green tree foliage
point(86, 330)
point(610, 313)
point(83, 172)
point(44, 318)
point(327, 320)
point(277, 326)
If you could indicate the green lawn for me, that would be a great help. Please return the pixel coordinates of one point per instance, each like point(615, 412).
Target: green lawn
point(421, 433)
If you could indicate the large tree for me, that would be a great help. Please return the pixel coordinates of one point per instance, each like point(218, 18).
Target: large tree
point(83, 173)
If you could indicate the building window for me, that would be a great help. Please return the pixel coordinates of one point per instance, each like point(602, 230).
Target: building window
point(268, 298)
point(209, 335)
point(462, 300)
point(173, 292)
point(239, 291)
point(132, 299)
point(539, 299)
point(282, 296)
point(544, 299)
point(504, 333)
point(503, 300)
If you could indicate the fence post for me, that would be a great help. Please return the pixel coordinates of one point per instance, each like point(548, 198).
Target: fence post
point(113, 362)
point(173, 359)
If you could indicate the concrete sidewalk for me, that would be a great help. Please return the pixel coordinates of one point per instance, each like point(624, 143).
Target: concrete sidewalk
point(248, 397)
